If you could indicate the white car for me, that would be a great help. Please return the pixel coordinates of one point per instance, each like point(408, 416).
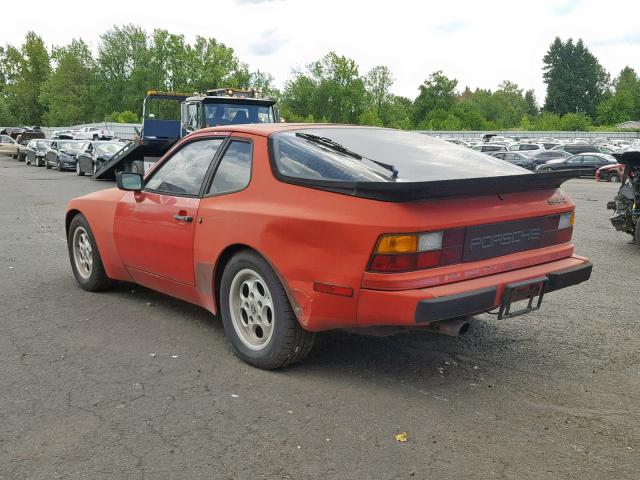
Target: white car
point(93, 133)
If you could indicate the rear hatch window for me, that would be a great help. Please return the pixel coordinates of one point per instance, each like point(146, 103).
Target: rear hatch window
point(352, 154)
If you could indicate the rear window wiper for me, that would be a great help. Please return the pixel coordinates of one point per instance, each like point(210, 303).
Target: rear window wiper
point(327, 142)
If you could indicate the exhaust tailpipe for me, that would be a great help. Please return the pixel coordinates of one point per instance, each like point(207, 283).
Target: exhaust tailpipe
point(455, 327)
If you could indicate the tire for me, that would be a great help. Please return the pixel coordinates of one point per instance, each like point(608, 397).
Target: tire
point(85, 258)
point(39, 163)
point(614, 177)
point(257, 316)
point(95, 138)
point(27, 161)
point(58, 165)
point(95, 167)
point(79, 172)
point(47, 165)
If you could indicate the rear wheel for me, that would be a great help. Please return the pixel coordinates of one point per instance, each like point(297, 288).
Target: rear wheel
point(95, 137)
point(85, 258)
point(79, 171)
point(257, 315)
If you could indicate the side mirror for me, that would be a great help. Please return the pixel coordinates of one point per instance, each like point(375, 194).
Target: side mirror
point(131, 182)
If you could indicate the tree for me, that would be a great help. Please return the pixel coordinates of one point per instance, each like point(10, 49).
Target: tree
point(575, 79)
point(69, 93)
point(531, 103)
point(436, 92)
point(378, 82)
point(329, 89)
point(25, 71)
point(624, 104)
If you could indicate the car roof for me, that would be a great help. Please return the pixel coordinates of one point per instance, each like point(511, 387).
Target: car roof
point(267, 129)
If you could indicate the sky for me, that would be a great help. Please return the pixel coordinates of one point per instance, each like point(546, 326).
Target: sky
point(480, 43)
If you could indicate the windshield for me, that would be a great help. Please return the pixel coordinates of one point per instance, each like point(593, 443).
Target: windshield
point(108, 148)
point(234, 113)
point(69, 145)
point(41, 145)
point(415, 156)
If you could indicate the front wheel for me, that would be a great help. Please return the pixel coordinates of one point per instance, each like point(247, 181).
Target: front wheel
point(79, 171)
point(614, 177)
point(86, 262)
point(47, 165)
point(257, 315)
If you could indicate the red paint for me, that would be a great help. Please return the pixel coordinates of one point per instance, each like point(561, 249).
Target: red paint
point(308, 236)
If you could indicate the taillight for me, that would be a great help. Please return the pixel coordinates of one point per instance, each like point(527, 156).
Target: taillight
point(558, 229)
point(407, 252)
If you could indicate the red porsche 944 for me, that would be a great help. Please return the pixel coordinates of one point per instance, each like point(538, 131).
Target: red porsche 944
point(288, 230)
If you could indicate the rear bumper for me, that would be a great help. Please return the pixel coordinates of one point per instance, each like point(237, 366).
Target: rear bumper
point(427, 305)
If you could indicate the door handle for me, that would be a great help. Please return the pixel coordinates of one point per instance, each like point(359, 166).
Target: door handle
point(183, 218)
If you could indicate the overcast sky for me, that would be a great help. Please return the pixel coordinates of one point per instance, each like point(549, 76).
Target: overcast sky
point(480, 43)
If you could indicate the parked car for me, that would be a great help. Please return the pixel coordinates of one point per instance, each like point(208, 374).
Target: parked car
point(587, 162)
point(94, 154)
point(576, 148)
point(610, 173)
point(490, 148)
point(8, 146)
point(68, 134)
point(24, 138)
point(516, 158)
point(270, 227)
point(37, 151)
point(62, 154)
point(519, 147)
point(93, 133)
point(544, 156)
point(457, 141)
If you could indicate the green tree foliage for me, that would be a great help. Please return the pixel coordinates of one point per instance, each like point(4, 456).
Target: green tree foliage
point(575, 122)
point(436, 93)
point(25, 70)
point(329, 89)
point(68, 93)
point(576, 82)
point(624, 104)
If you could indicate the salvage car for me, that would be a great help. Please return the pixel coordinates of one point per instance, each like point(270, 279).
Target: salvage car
point(287, 230)
point(588, 163)
point(8, 146)
point(516, 158)
point(94, 154)
point(36, 152)
point(610, 173)
point(62, 154)
point(626, 204)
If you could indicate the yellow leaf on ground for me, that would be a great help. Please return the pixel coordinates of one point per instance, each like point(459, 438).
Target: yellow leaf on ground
point(401, 437)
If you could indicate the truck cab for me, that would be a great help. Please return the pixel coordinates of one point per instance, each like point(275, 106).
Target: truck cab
point(169, 116)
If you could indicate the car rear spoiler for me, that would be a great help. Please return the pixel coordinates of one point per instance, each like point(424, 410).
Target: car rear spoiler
point(464, 187)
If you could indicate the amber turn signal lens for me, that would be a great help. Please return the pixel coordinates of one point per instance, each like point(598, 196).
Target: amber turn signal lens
point(398, 244)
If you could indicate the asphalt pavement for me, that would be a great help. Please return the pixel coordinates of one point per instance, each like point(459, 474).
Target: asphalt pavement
point(132, 384)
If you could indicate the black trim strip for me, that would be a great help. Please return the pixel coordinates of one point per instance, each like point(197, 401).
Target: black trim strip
point(452, 306)
point(569, 276)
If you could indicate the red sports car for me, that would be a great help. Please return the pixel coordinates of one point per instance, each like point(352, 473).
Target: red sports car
point(610, 173)
point(287, 230)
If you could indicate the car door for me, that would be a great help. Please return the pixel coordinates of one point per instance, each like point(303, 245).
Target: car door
point(6, 145)
point(52, 153)
point(154, 228)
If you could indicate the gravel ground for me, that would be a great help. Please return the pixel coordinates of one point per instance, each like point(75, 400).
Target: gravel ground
point(132, 384)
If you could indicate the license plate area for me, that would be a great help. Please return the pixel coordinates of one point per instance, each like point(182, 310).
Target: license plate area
point(523, 297)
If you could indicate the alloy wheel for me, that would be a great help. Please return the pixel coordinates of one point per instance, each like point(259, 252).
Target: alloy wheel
point(82, 252)
point(251, 307)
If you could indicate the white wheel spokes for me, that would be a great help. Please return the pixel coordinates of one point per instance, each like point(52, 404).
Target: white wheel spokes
point(82, 252)
point(252, 311)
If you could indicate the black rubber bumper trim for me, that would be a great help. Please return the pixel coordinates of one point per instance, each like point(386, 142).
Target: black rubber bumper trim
point(569, 276)
point(451, 306)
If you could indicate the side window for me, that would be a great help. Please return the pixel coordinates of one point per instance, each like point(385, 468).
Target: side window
point(184, 171)
point(234, 172)
point(192, 110)
point(4, 139)
point(575, 160)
